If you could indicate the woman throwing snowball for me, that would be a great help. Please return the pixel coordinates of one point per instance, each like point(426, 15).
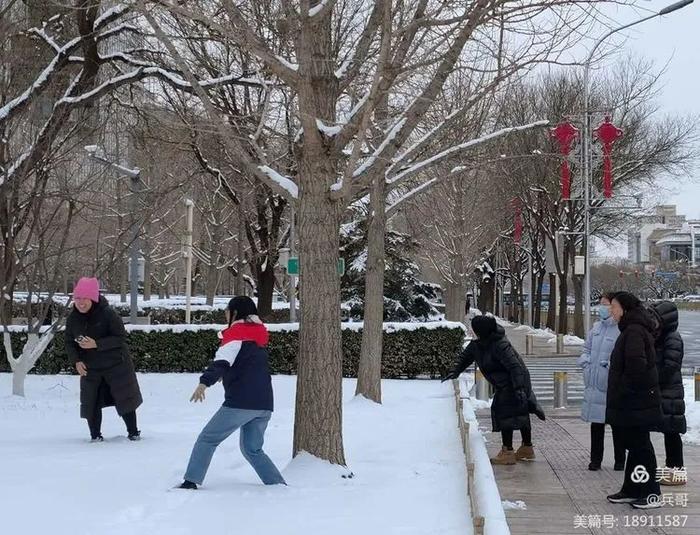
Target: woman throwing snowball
point(241, 363)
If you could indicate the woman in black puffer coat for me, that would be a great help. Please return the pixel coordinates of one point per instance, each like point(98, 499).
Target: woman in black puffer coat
point(669, 359)
point(96, 344)
point(634, 401)
point(514, 399)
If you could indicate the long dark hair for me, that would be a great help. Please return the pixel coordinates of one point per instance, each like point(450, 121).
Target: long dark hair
point(240, 308)
point(627, 300)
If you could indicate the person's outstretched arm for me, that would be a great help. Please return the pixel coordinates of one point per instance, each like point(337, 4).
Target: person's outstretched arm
point(466, 358)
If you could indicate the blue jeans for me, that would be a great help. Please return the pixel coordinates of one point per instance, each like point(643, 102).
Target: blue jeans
point(224, 422)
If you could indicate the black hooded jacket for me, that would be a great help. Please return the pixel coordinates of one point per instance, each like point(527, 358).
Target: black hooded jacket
point(633, 397)
point(669, 359)
point(501, 365)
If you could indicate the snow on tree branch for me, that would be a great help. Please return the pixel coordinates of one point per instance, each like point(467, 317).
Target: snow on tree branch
point(240, 33)
point(391, 135)
point(321, 8)
point(418, 166)
point(284, 182)
point(391, 209)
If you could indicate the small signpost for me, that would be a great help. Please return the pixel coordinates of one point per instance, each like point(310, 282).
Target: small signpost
point(293, 266)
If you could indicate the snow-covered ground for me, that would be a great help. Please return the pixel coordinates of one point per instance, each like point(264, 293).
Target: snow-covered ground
point(692, 413)
point(409, 474)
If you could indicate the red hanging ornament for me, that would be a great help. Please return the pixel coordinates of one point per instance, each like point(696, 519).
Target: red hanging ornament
point(565, 134)
point(607, 133)
point(518, 222)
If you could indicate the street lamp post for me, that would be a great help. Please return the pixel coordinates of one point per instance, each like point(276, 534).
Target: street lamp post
point(586, 147)
point(188, 259)
point(134, 176)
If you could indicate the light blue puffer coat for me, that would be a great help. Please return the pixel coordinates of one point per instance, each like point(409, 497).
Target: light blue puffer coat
point(595, 362)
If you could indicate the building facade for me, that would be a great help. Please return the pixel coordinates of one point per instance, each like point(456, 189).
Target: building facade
point(663, 237)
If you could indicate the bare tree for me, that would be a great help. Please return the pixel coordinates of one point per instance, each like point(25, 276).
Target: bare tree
point(343, 62)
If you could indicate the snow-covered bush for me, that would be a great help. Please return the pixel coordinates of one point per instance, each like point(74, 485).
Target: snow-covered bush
point(406, 298)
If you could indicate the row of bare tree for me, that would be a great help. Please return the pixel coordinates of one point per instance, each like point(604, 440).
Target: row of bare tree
point(431, 113)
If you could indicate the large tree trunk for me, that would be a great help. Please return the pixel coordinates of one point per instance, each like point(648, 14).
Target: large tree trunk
point(486, 295)
point(552, 308)
point(369, 376)
point(537, 303)
point(455, 301)
point(212, 282)
point(563, 327)
point(266, 289)
point(318, 416)
point(239, 286)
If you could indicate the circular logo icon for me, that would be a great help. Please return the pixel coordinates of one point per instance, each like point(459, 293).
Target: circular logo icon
point(639, 474)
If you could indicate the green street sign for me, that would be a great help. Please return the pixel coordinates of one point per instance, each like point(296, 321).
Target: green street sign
point(293, 266)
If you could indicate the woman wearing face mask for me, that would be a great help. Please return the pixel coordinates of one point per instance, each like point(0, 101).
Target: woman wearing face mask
point(634, 400)
point(595, 362)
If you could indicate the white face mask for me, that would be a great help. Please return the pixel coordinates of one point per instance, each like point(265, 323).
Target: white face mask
point(604, 311)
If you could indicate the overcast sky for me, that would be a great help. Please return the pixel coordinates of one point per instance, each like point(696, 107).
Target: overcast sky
point(673, 39)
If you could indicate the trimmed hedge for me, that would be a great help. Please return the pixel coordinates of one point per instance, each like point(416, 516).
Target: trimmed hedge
point(407, 353)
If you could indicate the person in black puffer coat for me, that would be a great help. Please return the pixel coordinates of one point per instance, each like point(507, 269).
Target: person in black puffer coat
point(96, 344)
point(669, 359)
point(514, 399)
point(634, 402)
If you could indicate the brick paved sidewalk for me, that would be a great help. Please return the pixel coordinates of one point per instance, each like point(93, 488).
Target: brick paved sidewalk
point(557, 486)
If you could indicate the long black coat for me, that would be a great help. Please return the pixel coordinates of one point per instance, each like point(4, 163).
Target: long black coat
point(633, 398)
point(669, 359)
point(111, 379)
point(506, 371)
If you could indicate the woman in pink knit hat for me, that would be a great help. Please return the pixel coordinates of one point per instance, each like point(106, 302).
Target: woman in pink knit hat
point(96, 344)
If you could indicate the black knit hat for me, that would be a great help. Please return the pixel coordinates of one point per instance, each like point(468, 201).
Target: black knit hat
point(241, 307)
point(627, 301)
point(483, 326)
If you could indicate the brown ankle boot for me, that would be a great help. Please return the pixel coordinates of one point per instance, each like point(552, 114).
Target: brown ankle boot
point(504, 456)
point(525, 453)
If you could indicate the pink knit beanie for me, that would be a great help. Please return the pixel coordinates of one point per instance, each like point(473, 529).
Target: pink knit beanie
point(87, 288)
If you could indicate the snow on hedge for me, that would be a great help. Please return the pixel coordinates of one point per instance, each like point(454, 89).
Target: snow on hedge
point(274, 327)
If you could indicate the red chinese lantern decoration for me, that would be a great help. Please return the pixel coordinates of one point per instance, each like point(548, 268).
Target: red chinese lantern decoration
point(607, 133)
point(565, 134)
point(518, 223)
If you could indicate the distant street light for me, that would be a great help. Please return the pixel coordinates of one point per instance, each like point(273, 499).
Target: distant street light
point(586, 149)
point(97, 153)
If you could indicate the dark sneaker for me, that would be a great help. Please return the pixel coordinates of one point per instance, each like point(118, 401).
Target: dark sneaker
point(188, 485)
point(652, 502)
point(619, 497)
point(619, 467)
point(135, 436)
point(593, 467)
point(99, 438)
